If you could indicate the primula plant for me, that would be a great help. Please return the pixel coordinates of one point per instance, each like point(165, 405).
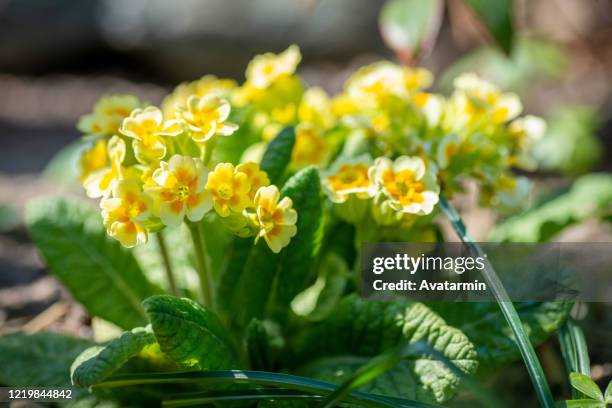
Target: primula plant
point(226, 242)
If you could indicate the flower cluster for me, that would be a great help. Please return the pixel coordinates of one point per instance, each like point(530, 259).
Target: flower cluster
point(386, 147)
point(153, 171)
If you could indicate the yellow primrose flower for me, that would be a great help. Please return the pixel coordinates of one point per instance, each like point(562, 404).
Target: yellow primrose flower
point(309, 148)
point(229, 189)
point(207, 85)
point(431, 105)
point(146, 127)
point(527, 129)
point(480, 99)
point(382, 79)
point(124, 213)
point(107, 115)
point(274, 219)
point(406, 184)
point(102, 182)
point(179, 190)
point(265, 69)
point(346, 178)
point(257, 177)
point(316, 109)
point(93, 159)
point(376, 82)
point(206, 117)
point(343, 105)
point(416, 79)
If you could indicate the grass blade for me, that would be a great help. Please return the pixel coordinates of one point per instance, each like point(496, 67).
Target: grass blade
point(259, 378)
point(530, 358)
point(213, 397)
point(574, 351)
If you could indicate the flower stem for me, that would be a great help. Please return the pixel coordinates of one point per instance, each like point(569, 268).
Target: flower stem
point(163, 248)
point(199, 246)
point(208, 149)
point(534, 367)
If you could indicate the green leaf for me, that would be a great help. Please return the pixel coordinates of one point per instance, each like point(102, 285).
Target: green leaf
point(229, 149)
point(297, 259)
point(497, 18)
point(570, 145)
point(253, 291)
point(269, 281)
point(410, 27)
point(63, 167)
point(358, 330)
point(278, 155)
point(586, 386)
point(257, 379)
point(532, 58)
point(274, 162)
point(608, 393)
point(589, 196)
point(99, 273)
point(190, 334)
point(231, 275)
point(150, 259)
point(96, 363)
point(38, 360)
point(584, 403)
point(487, 329)
point(258, 346)
point(319, 300)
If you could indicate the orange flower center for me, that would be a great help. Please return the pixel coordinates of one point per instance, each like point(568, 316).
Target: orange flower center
point(403, 187)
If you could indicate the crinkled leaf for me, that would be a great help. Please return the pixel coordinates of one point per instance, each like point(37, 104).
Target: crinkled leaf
point(99, 273)
point(586, 386)
point(410, 27)
point(358, 330)
point(497, 17)
point(486, 327)
point(278, 155)
point(608, 393)
point(38, 360)
point(96, 363)
point(589, 196)
point(190, 334)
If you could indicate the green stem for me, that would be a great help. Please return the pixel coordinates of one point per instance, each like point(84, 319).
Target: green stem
point(208, 149)
point(163, 249)
point(206, 286)
point(534, 367)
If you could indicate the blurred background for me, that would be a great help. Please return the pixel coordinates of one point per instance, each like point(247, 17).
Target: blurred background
point(57, 58)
